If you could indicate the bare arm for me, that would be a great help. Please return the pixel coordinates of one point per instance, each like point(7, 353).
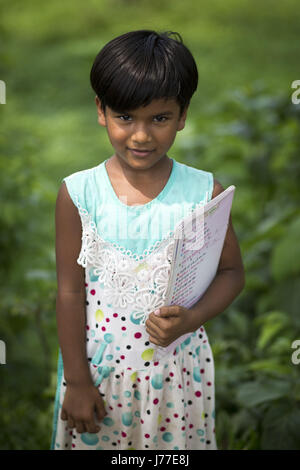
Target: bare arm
point(70, 300)
point(82, 400)
point(229, 280)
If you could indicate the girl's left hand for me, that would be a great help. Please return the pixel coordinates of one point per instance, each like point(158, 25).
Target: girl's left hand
point(171, 323)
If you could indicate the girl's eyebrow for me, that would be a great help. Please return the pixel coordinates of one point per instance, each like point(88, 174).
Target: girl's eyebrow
point(167, 113)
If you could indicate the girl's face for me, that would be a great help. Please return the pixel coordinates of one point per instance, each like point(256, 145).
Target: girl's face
point(151, 130)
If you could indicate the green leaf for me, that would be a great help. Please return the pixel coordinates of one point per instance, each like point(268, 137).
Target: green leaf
point(252, 394)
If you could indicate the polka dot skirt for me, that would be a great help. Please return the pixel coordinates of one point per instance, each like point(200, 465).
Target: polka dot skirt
point(162, 405)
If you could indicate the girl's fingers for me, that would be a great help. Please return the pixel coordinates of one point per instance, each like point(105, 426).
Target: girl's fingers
point(71, 423)
point(80, 427)
point(153, 330)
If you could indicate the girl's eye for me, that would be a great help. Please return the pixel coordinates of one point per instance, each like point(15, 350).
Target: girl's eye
point(161, 118)
point(124, 116)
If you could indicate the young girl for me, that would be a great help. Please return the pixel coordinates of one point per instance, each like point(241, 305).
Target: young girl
point(114, 249)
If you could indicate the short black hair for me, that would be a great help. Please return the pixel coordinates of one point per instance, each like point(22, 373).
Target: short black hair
point(133, 69)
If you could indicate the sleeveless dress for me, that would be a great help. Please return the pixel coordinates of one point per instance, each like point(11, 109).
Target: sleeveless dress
point(153, 400)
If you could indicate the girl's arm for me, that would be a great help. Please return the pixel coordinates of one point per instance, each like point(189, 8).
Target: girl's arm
point(229, 280)
point(82, 400)
point(70, 300)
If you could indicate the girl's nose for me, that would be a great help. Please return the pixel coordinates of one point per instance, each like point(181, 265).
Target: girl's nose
point(141, 135)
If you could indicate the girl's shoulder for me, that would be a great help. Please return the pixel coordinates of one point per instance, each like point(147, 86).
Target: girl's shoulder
point(197, 182)
point(80, 185)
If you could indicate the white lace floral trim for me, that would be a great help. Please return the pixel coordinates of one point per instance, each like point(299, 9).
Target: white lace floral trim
point(128, 278)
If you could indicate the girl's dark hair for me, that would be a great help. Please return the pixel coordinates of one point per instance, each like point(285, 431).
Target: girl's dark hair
point(139, 66)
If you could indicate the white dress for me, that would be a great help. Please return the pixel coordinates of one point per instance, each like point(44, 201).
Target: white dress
point(153, 401)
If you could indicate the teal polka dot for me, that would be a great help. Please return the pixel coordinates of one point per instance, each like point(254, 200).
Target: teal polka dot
point(155, 439)
point(104, 371)
point(118, 348)
point(200, 432)
point(167, 436)
point(137, 414)
point(109, 357)
point(115, 397)
point(196, 374)
point(105, 438)
point(93, 276)
point(136, 321)
point(127, 394)
point(198, 350)
point(108, 421)
point(116, 432)
point(137, 395)
point(157, 381)
point(99, 448)
point(93, 333)
point(127, 418)
point(170, 405)
point(89, 438)
point(129, 404)
point(185, 343)
point(108, 337)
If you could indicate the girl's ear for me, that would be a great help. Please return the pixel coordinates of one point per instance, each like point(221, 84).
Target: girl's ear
point(101, 114)
point(181, 121)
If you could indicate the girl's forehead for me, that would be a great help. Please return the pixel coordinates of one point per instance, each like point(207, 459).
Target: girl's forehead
point(157, 106)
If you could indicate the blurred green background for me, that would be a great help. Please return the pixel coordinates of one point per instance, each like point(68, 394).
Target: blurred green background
point(242, 126)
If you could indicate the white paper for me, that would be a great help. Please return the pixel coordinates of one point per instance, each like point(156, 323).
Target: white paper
point(199, 241)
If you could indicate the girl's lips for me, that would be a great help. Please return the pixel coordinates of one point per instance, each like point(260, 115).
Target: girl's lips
point(140, 153)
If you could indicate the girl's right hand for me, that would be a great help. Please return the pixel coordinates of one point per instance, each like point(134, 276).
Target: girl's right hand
point(80, 406)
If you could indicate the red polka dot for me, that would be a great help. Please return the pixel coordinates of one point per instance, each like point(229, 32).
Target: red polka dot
point(115, 315)
point(188, 383)
point(201, 371)
point(103, 328)
point(147, 435)
point(73, 445)
point(124, 434)
point(179, 386)
point(162, 428)
point(171, 374)
point(156, 363)
point(138, 335)
point(183, 428)
point(85, 284)
point(168, 420)
point(175, 415)
point(122, 357)
point(147, 377)
point(110, 408)
point(201, 329)
point(138, 379)
point(93, 292)
point(155, 401)
point(142, 421)
point(191, 426)
point(198, 394)
point(184, 369)
point(120, 405)
point(123, 328)
point(107, 320)
point(208, 383)
point(87, 327)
